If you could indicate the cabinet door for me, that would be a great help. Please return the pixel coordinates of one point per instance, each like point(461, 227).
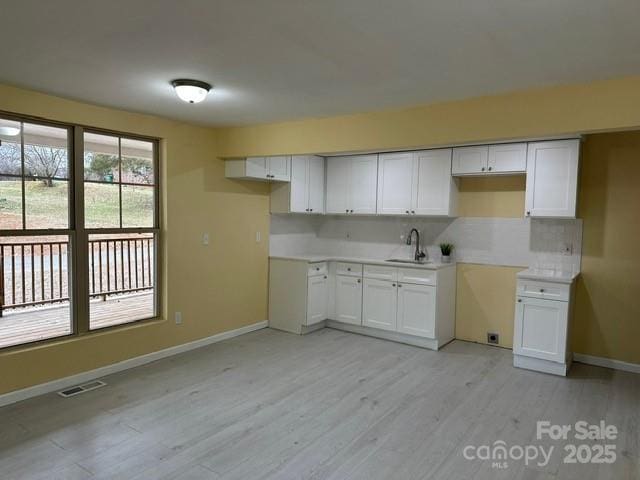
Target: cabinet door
point(433, 183)
point(379, 304)
point(279, 168)
point(507, 158)
point(417, 310)
point(299, 187)
point(338, 194)
point(316, 184)
point(540, 329)
point(552, 178)
point(349, 299)
point(469, 160)
point(256, 167)
point(395, 183)
point(363, 184)
point(316, 299)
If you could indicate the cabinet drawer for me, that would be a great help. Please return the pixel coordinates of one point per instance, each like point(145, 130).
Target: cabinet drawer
point(418, 277)
point(319, 268)
point(546, 290)
point(349, 269)
point(380, 272)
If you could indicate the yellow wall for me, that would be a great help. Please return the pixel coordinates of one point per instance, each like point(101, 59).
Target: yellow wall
point(607, 316)
point(217, 288)
point(499, 196)
point(224, 286)
point(598, 106)
point(485, 302)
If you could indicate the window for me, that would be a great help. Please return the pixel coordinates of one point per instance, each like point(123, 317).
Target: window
point(120, 196)
point(78, 230)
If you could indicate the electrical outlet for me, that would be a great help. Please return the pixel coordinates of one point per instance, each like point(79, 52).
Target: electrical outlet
point(493, 338)
point(258, 237)
point(178, 318)
point(205, 238)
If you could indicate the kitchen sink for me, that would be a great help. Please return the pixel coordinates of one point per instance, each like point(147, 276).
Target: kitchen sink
point(405, 260)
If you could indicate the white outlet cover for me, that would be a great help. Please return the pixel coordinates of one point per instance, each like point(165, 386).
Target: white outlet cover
point(258, 237)
point(205, 238)
point(178, 318)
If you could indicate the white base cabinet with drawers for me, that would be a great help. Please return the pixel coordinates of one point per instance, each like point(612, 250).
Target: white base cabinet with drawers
point(541, 328)
point(408, 305)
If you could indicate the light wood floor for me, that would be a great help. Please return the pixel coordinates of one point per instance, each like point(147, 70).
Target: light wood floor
point(33, 324)
point(329, 405)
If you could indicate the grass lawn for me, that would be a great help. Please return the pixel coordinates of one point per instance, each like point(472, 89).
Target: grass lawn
point(47, 207)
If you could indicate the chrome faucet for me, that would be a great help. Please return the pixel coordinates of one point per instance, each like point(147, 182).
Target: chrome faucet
point(419, 255)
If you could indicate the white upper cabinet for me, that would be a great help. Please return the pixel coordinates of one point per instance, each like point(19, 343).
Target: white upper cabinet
point(256, 167)
point(416, 183)
point(275, 169)
point(507, 158)
point(316, 184)
point(489, 159)
point(417, 310)
point(279, 168)
point(352, 184)
point(470, 160)
point(434, 190)
point(305, 192)
point(552, 178)
point(395, 183)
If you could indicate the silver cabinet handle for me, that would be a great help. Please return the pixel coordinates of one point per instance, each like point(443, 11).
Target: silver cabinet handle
point(519, 300)
point(351, 211)
point(542, 290)
point(406, 211)
point(399, 285)
point(393, 284)
point(347, 210)
point(311, 209)
point(358, 280)
point(413, 211)
point(489, 168)
point(349, 269)
point(317, 269)
point(325, 276)
point(528, 213)
point(483, 169)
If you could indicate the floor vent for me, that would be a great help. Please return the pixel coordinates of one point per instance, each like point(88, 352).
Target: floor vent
point(78, 389)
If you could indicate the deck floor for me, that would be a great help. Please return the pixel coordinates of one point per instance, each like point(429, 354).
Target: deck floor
point(30, 325)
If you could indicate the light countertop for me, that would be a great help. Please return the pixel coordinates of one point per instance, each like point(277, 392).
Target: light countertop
point(549, 275)
point(369, 261)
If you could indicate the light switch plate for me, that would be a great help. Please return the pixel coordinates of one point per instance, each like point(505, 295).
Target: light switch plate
point(205, 238)
point(258, 237)
point(178, 318)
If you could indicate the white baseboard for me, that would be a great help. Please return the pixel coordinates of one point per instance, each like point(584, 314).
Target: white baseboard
point(62, 383)
point(540, 365)
point(607, 362)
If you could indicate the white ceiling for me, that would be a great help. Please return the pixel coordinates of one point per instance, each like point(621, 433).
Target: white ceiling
point(284, 59)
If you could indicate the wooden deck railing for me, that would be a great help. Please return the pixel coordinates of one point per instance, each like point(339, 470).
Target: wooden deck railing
point(36, 273)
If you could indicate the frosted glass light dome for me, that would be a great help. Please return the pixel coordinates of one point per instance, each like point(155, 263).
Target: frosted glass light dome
point(191, 91)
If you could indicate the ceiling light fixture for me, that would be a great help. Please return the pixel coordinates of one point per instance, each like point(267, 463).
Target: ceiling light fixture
point(191, 91)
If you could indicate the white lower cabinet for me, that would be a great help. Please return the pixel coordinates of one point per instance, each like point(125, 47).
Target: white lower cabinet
point(348, 299)
point(541, 327)
point(379, 304)
point(317, 289)
point(409, 305)
point(416, 310)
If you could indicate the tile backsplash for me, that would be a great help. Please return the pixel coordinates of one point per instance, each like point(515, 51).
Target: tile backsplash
point(538, 243)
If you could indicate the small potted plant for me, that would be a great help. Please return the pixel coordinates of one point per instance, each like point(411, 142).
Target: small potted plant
point(445, 249)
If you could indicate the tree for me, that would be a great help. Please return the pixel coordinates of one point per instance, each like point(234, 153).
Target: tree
point(45, 162)
point(10, 158)
point(139, 169)
point(101, 166)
